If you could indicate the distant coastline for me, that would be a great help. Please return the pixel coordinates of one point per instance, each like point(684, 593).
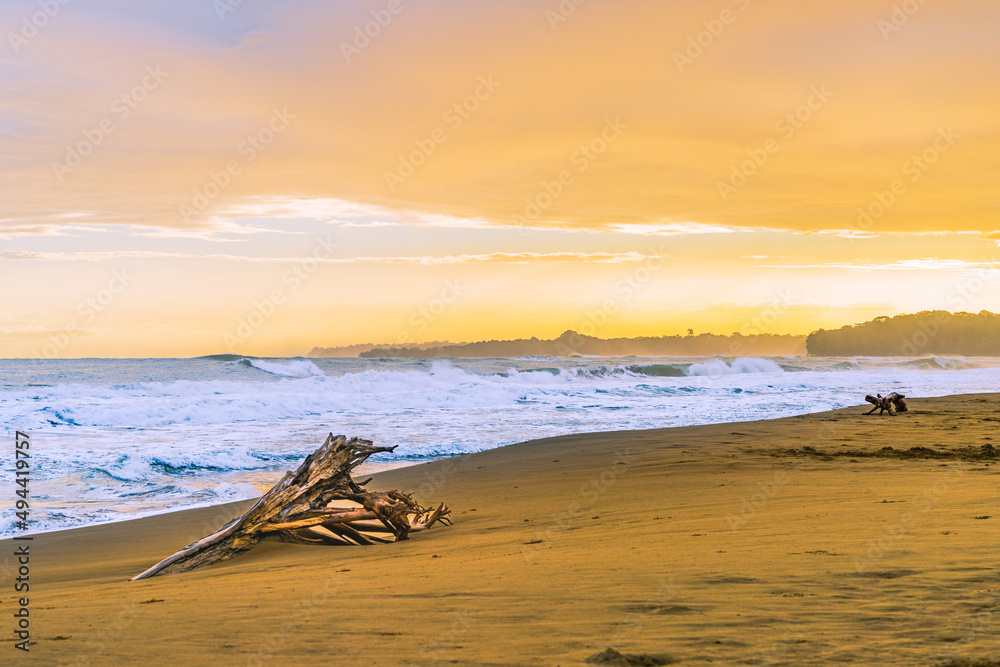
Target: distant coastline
point(930, 332)
point(936, 332)
point(572, 343)
point(357, 350)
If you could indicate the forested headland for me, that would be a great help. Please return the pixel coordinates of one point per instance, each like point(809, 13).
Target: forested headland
point(927, 332)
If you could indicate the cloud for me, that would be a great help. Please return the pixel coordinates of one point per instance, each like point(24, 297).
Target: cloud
point(515, 258)
point(679, 228)
point(12, 230)
point(925, 264)
point(102, 256)
point(426, 260)
point(316, 208)
point(848, 233)
point(537, 139)
point(33, 331)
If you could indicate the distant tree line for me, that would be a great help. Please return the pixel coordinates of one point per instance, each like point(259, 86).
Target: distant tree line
point(927, 332)
point(572, 343)
point(355, 350)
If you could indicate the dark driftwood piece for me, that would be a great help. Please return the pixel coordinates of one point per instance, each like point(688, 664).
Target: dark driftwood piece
point(892, 402)
point(317, 504)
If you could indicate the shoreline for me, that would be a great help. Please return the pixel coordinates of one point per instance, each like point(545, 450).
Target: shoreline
point(385, 466)
point(729, 542)
point(116, 448)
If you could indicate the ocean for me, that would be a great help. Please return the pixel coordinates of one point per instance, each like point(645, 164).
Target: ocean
point(113, 439)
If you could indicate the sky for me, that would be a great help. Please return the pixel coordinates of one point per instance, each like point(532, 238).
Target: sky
point(206, 176)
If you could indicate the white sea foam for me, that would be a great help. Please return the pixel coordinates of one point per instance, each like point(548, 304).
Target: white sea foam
point(126, 437)
point(737, 366)
point(298, 368)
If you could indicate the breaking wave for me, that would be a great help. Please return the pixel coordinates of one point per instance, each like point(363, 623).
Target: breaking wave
point(299, 368)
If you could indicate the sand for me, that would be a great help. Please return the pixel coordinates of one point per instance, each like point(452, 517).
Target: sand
point(708, 544)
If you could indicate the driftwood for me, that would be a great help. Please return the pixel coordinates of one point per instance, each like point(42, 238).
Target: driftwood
point(317, 504)
point(892, 402)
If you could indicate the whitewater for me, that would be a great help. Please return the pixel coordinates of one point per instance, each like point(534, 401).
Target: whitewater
point(113, 439)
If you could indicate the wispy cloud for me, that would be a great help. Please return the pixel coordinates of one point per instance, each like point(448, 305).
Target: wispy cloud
point(356, 121)
point(515, 258)
point(925, 264)
point(102, 256)
point(33, 331)
point(678, 228)
point(312, 208)
point(427, 260)
point(10, 229)
point(216, 230)
point(847, 233)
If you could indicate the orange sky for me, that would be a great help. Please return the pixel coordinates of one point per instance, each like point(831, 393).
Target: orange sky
point(728, 153)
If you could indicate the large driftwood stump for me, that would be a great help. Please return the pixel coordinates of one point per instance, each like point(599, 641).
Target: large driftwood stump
point(317, 504)
point(892, 402)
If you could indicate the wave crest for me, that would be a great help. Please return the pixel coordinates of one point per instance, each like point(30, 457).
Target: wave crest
point(299, 368)
point(715, 367)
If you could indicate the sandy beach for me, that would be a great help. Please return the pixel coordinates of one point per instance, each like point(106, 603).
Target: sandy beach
point(793, 541)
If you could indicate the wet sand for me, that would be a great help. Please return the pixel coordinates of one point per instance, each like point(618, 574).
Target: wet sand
point(797, 541)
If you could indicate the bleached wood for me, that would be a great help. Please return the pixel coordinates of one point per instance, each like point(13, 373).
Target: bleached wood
point(892, 402)
point(303, 508)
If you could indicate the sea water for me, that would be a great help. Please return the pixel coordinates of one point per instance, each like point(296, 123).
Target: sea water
point(114, 439)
